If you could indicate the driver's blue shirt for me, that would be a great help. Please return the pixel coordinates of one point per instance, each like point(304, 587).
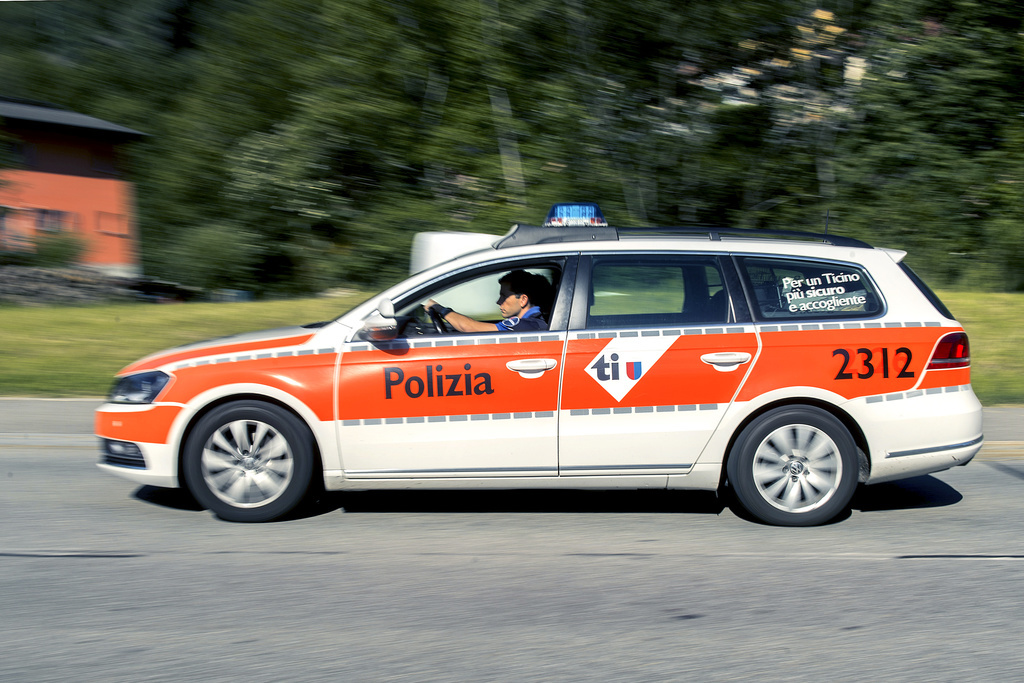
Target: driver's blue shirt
point(528, 322)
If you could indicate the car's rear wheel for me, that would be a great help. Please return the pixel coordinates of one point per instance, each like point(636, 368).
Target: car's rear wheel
point(249, 461)
point(794, 466)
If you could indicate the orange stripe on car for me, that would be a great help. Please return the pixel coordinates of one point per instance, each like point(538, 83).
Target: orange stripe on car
point(159, 360)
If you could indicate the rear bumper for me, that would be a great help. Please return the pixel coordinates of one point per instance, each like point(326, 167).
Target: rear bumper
point(918, 432)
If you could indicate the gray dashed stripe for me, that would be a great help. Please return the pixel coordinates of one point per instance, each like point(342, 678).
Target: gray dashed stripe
point(480, 417)
point(916, 393)
point(250, 356)
point(434, 419)
point(794, 326)
point(577, 412)
point(489, 340)
point(619, 410)
point(844, 326)
point(673, 332)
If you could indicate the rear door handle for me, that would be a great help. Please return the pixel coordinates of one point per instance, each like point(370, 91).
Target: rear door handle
point(531, 368)
point(726, 361)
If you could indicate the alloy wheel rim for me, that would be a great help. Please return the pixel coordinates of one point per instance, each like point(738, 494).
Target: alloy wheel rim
point(247, 463)
point(797, 468)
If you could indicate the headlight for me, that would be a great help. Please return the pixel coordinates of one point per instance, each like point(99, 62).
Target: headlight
point(140, 388)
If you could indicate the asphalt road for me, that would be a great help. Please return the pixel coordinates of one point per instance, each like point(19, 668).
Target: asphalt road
point(104, 580)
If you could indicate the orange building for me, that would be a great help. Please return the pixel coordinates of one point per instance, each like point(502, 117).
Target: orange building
point(67, 181)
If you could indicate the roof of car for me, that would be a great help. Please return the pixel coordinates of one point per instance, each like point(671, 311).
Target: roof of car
point(523, 235)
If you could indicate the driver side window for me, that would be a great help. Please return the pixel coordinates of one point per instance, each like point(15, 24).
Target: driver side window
point(475, 297)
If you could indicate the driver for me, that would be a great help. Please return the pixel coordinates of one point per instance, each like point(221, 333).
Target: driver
point(519, 297)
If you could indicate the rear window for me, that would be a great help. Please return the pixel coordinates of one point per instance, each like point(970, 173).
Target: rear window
point(797, 289)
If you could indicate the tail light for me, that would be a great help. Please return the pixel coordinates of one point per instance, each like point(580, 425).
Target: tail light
point(952, 351)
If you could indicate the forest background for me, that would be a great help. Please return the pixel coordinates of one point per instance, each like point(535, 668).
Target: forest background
point(297, 145)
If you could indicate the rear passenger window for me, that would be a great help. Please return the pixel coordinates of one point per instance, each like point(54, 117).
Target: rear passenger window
point(644, 291)
point(794, 289)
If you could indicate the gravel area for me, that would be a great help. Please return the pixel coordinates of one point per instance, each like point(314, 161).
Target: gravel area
point(27, 286)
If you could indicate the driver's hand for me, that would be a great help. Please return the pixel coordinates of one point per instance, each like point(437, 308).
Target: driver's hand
point(428, 303)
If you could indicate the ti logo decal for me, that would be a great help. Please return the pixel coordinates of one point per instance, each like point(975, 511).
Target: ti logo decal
point(621, 364)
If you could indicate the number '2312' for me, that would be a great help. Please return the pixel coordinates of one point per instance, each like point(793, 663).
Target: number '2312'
point(867, 357)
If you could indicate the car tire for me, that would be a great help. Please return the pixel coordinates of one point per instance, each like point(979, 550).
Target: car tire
point(794, 466)
point(249, 461)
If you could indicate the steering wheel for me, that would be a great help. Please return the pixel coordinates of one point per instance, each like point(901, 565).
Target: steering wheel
point(439, 324)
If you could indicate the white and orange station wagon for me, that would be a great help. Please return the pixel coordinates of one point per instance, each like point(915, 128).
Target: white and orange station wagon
point(785, 367)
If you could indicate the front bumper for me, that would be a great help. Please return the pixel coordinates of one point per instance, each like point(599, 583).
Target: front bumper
point(133, 442)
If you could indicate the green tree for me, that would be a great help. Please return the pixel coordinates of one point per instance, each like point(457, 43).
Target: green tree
point(300, 143)
point(932, 161)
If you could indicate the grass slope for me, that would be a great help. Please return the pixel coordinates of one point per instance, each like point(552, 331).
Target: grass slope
point(995, 326)
point(75, 351)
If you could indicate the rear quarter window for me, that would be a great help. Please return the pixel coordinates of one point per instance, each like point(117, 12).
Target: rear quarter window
point(926, 290)
point(798, 289)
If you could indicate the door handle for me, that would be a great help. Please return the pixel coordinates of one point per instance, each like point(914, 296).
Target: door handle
point(531, 368)
point(726, 361)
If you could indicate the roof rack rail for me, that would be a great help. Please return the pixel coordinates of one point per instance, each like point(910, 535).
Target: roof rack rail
point(521, 235)
point(715, 234)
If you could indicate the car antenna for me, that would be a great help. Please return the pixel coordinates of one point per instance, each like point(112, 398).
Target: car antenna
point(826, 220)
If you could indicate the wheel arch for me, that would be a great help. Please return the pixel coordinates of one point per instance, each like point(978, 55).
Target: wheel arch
point(194, 419)
point(859, 439)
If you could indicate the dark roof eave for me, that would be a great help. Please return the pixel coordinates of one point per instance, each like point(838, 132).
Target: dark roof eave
point(14, 111)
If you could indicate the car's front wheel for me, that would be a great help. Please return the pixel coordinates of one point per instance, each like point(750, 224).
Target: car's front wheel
point(794, 466)
point(249, 461)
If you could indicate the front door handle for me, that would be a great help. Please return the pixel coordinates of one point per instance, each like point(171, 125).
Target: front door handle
point(726, 361)
point(531, 368)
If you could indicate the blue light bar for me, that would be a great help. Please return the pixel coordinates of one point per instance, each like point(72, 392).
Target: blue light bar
point(576, 214)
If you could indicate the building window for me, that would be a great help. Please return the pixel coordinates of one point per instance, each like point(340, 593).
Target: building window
point(111, 223)
point(103, 164)
point(23, 153)
point(51, 220)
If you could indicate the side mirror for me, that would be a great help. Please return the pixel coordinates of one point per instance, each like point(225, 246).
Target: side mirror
point(381, 324)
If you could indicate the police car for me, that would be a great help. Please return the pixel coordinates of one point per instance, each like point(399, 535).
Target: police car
point(785, 368)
